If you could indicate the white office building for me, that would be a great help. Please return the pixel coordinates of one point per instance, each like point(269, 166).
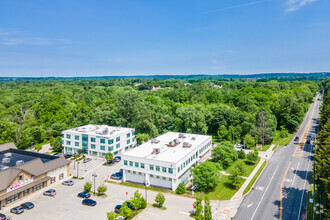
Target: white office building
point(165, 161)
point(97, 140)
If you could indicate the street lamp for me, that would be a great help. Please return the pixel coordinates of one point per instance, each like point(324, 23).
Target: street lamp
point(77, 169)
point(94, 175)
point(192, 183)
point(146, 183)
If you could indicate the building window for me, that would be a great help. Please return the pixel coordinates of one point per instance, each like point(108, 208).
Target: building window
point(151, 167)
point(125, 162)
point(118, 146)
point(133, 139)
point(164, 169)
point(62, 135)
point(128, 171)
point(76, 144)
point(26, 192)
point(170, 179)
point(164, 178)
point(140, 173)
point(93, 146)
point(151, 175)
point(128, 141)
point(103, 154)
point(61, 176)
point(69, 148)
point(142, 165)
point(76, 137)
point(115, 153)
point(68, 142)
point(52, 180)
point(11, 199)
point(128, 135)
point(170, 170)
point(68, 136)
point(131, 163)
point(126, 148)
point(62, 141)
point(117, 139)
point(102, 141)
point(157, 168)
point(110, 148)
point(102, 147)
point(110, 141)
point(134, 172)
point(178, 169)
point(94, 153)
point(93, 140)
point(37, 187)
point(157, 177)
point(20, 177)
point(136, 164)
point(133, 133)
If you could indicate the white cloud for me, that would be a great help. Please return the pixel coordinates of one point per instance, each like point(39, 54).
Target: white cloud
point(27, 41)
point(238, 6)
point(293, 5)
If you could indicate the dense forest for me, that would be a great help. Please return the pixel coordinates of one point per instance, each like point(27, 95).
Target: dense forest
point(322, 156)
point(34, 112)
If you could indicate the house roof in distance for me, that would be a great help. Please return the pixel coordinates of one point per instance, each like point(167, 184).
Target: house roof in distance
point(99, 130)
point(173, 147)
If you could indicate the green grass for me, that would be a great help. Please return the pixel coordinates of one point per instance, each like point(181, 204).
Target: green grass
point(248, 166)
point(102, 195)
point(264, 148)
point(140, 186)
point(248, 187)
point(159, 207)
point(134, 213)
point(274, 148)
point(282, 141)
point(224, 190)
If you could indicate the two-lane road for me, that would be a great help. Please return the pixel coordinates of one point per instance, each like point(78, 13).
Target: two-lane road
point(282, 190)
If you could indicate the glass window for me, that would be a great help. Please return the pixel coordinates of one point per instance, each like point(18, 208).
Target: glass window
point(118, 146)
point(61, 176)
point(164, 169)
point(93, 146)
point(125, 162)
point(133, 133)
point(115, 153)
point(93, 140)
point(26, 192)
point(68, 136)
point(170, 170)
point(62, 135)
point(76, 144)
point(126, 148)
point(164, 178)
point(110, 141)
point(62, 141)
point(37, 187)
point(178, 169)
point(102, 141)
point(68, 143)
point(142, 165)
point(133, 139)
point(151, 167)
point(136, 164)
point(110, 148)
point(151, 175)
point(128, 135)
point(13, 198)
point(131, 163)
point(157, 168)
point(76, 137)
point(69, 148)
point(134, 172)
point(128, 141)
point(117, 139)
point(102, 147)
point(94, 153)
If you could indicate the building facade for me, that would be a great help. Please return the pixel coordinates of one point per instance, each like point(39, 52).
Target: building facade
point(97, 140)
point(165, 161)
point(22, 173)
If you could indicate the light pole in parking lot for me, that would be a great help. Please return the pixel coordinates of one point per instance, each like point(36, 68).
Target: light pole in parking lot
point(146, 183)
point(77, 169)
point(94, 175)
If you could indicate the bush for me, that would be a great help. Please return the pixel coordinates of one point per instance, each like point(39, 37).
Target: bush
point(241, 154)
point(252, 156)
point(87, 186)
point(108, 156)
point(125, 211)
point(138, 202)
point(206, 176)
point(112, 216)
point(102, 189)
point(160, 199)
point(180, 189)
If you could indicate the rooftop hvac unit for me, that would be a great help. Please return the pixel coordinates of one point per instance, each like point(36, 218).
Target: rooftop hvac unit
point(156, 151)
point(171, 143)
point(7, 154)
point(3, 168)
point(182, 136)
point(186, 144)
point(19, 162)
point(6, 160)
point(176, 141)
point(105, 130)
point(154, 141)
point(193, 138)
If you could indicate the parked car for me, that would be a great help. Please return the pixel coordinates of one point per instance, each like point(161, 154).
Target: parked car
point(68, 183)
point(84, 195)
point(118, 207)
point(89, 202)
point(308, 141)
point(66, 156)
point(3, 217)
point(116, 176)
point(193, 188)
point(27, 205)
point(58, 154)
point(118, 157)
point(86, 160)
point(296, 138)
point(50, 192)
point(17, 210)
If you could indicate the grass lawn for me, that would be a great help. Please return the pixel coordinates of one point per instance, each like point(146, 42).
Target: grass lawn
point(248, 166)
point(274, 148)
point(282, 141)
point(140, 186)
point(224, 190)
point(247, 189)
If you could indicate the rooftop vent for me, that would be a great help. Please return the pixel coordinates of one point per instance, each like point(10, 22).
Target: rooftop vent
point(186, 144)
point(193, 138)
point(154, 141)
point(6, 160)
point(156, 151)
point(7, 154)
point(19, 162)
point(171, 144)
point(176, 141)
point(182, 136)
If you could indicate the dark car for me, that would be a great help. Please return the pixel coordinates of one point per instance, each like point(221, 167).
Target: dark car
point(118, 157)
point(296, 139)
point(117, 176)
point(86, 160)
point(50, 192)
point(3, 217)
point(308, 141)
point(68, 183)
point(17, 210)
point(84, 195)
point(118, 207)
point(89, 202)
point(66, 156)
point(27, 205)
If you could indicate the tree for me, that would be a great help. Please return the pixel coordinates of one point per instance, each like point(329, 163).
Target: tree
point(87, 186)
point(224, 154)
point(264, 124)
point(56, 144)
point(205, 176)
point(112, 216)
point(207, 209)
point(180, 189)
point(160, 199)
point(234, 177)
point(108, 156)
point(249, 141)
point(138, 202)
point(102, 189)
point(252, 156)
point(198, 208)
point(125, 211)
point(236, 172)
point(241, 154)
point(125, 103)
point(140, 138)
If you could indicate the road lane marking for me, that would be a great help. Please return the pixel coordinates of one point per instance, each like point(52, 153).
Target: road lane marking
point(264, 193)
point(152, 214)
point(281, 192)
point(249, 205)
point(260, 188)
point(184, 213)
point(295, 174)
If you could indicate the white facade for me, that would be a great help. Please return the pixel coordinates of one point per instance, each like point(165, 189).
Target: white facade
point(97, 140)
point(166, 160)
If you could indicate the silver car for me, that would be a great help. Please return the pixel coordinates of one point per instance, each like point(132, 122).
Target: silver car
point(50, 192)
point(68, 183)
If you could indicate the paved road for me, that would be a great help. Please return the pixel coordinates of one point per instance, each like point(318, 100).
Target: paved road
point(282, 190)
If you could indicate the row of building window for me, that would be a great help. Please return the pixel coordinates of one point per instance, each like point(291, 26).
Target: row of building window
point(102, 140)
point(93, 145)
point(154, 176)
point(151, 167)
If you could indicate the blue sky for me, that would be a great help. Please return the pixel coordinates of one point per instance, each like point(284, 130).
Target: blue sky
point(139, 37)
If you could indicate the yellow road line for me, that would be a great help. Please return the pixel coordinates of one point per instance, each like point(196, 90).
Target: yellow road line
point(281, 205)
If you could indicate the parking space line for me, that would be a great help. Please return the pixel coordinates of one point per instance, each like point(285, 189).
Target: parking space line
point(151, 213)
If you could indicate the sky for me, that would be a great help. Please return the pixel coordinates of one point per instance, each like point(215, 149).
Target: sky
point(147, 37)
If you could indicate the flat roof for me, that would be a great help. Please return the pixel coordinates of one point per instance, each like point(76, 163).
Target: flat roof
point(167, 153)
point(99, 130)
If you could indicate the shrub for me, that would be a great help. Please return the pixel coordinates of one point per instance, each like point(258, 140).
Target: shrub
point(87, 186)
point(241, 154)
point(112, 216)
point(125, 211)
point(102, 189)
point(180, 189)
point(160, 199)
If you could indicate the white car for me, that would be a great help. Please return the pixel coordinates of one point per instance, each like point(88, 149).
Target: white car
point(68, 183)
